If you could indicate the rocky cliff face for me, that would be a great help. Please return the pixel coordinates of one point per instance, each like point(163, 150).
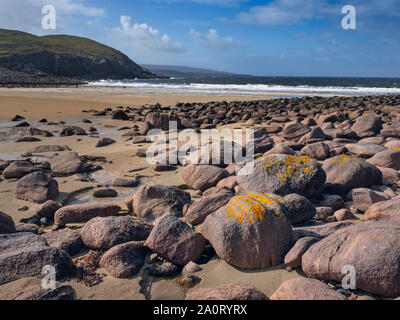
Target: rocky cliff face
point(65, 56)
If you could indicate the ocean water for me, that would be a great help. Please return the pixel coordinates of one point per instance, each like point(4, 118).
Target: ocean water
point(262, 86)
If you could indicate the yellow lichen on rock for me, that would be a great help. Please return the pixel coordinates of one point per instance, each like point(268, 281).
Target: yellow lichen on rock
point(251, 207)
point(287, 166)
point(341, 159)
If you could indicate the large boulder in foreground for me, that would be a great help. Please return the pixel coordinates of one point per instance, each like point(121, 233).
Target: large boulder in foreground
point(84, 212)
point(25, 254)
point(7, 224)
point(372, 248)
point(67, 163)
point(37, 187)
point(107, 232)
point(200, 209)
point(283, 174)
point(233, 291)
point(174, 240)
point(250, 232)
point(306, 289)
point(152, 202)
point(124, 260)
point(344, 173)
point(202, 177)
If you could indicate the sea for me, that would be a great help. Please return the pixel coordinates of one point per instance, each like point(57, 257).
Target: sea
point(260, 86)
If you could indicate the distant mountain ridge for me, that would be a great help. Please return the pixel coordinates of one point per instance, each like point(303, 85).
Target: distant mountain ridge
point(65, 56)
point(183, 71)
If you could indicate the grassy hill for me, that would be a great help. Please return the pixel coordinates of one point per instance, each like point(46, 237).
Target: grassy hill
point(65, 56)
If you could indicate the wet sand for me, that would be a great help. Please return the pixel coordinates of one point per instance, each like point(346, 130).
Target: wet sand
point(68, 103)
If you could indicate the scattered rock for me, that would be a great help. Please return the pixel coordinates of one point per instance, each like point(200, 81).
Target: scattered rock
point(389, 158)
point(234, 291)
point(107, 232)
point(299, 209)
point(25, 254)
point(103, 142)
point(37, 187)
point(372, 248)
point(202, 177)
point(6, 224)
point(105, 193)
point(384, 210)
point(37, 293)
point(18, 169)
point(72, 131)
point(343, 214)
point(68, 163)
point(66, 239)
point(48, 209)
point(293, 257)
point(175, 240)
point(200, 209)
point(124, 260)
point(125, 183)
point(84, 212)
point(306, 289)
point(363, 198)
point(151, 202)
point(344, 173)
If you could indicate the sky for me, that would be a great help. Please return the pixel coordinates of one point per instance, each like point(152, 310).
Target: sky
point(266, 38)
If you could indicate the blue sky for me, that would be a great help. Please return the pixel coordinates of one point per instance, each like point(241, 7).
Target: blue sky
point(275, 37)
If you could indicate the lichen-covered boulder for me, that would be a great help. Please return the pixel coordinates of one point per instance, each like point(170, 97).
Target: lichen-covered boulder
point(344, 173)
point(283, 174)
point(251, 231)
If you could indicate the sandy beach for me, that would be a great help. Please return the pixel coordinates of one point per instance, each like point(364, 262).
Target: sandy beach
point(86, 108)
point(68, 103)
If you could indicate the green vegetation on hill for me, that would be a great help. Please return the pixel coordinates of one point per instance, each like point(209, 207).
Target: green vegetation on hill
point(65, 56)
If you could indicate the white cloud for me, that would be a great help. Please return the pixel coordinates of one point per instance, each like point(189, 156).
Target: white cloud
point(147, 37)
point(283, 12)
point(213, 40)
point(291, 12)
point(26, 15)
point(210, 2)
